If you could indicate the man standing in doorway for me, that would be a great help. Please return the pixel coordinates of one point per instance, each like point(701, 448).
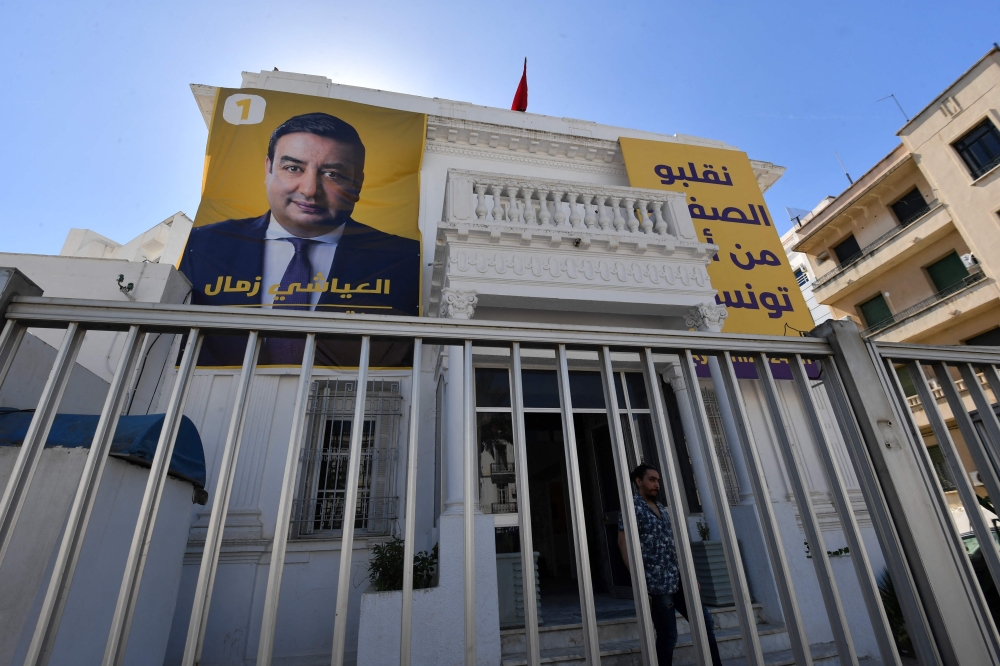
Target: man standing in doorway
point(659, 559)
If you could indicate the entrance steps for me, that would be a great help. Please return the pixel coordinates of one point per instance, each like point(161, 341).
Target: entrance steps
point(620, 643)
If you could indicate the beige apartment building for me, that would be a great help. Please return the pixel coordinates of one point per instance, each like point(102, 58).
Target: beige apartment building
point(911, 250)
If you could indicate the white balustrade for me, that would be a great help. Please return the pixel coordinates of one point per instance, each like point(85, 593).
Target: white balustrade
point(550, 205)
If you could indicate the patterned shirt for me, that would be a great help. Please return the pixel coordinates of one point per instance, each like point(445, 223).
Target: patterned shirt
point(656, 539)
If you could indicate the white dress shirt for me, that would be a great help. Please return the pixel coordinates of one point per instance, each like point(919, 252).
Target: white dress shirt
point(278, 252)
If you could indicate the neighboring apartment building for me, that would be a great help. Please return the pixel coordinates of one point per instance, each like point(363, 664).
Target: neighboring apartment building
point(911, 250)
point(799, 263)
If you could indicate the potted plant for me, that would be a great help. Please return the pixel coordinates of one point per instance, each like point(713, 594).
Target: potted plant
point(710, 566)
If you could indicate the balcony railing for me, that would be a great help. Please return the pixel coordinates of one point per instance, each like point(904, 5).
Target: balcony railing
point(504, 507)
point(875, 245)
point(989, 166)
point(897, 317)
point(538, 203)
point(500, 470)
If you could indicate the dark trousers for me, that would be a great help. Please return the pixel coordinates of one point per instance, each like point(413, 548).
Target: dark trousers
point(663, 609)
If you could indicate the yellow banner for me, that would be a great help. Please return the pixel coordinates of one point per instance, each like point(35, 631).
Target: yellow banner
point(309, 204)
point(750, 271)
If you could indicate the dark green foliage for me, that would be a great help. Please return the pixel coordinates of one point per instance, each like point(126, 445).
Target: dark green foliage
point(894, 613)
point(385, 569)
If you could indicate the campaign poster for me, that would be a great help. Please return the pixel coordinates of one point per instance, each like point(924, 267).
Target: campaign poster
point(308, 204)
point(750, 270)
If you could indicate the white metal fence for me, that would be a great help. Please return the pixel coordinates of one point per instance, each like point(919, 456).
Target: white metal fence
point(859, 429)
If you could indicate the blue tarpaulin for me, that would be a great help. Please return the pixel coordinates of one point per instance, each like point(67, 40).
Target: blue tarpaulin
point(135, 439)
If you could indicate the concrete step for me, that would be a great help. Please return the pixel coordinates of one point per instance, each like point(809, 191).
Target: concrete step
point(564, 636)
point(773, 639)
point(628, 654)
point(823, 654)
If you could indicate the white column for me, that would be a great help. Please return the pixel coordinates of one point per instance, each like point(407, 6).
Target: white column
point(729, 428)
point(454, 432)
point(673, 375)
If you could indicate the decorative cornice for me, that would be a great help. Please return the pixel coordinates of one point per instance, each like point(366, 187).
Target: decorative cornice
point(512, 157)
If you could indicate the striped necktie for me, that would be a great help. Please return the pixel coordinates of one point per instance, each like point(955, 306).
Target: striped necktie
point(288, 351)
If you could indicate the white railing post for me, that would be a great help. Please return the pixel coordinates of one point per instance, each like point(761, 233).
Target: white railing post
point(849, 524)
point(647, 635)
point(220, 507)
point(588, 614)
point(667, 454)
point(469, 498)
point(83, 503)
point(265, 647)
point(128, 594)
point(532, 648)
point(810, 524)
point(730, 545)
point(410, 519)
point(765, 512)
point(350, 507)
point(38, 432)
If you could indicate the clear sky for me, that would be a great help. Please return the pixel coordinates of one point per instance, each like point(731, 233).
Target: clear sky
point(101, 130)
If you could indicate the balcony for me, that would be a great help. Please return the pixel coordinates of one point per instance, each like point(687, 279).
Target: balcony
point(960, 290)
point(886, 251)
point(517, 242)
point(502, 473)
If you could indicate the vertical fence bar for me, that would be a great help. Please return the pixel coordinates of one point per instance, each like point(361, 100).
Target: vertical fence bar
point(961, 478)
point(220, 508)
point(647, 635)
point(265, 647)
point(986, 413)
point(730, 546)
point(765, 512)
point(977, 448)
point(810, 525)
point(410, 519)
point(350, 507)
point(588, 614)
point(993, 379)
point(675, 507)
point(849, 524)
point(121, 623)
point(469, 498)
point(532, 649)
point(917, 624)
point(936, 599)
point(83, 503)
point(38, 433)
point(10, 340)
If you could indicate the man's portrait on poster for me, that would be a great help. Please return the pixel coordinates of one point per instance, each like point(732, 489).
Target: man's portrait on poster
point(306, 252)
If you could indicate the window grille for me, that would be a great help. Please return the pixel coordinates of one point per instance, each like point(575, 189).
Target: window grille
point(319, 507)
point(721, 446)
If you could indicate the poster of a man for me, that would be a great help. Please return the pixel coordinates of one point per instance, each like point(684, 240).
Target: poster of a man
point(306, 251)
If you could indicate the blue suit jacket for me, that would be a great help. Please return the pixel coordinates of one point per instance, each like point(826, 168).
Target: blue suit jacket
point(235, 249)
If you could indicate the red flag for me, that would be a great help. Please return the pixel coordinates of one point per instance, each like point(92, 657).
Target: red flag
point(521, 96)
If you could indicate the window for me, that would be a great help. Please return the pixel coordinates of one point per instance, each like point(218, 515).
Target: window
point(801, 276)
point(990, 338)
point(910, 207)
point(847, 249)
point(726, 463)
point(980, 148)
point(875, 310)
point(319, 508)
point(947, 272)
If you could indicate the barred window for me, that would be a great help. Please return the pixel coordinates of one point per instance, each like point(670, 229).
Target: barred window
point(721, 446)
point(319, 506)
